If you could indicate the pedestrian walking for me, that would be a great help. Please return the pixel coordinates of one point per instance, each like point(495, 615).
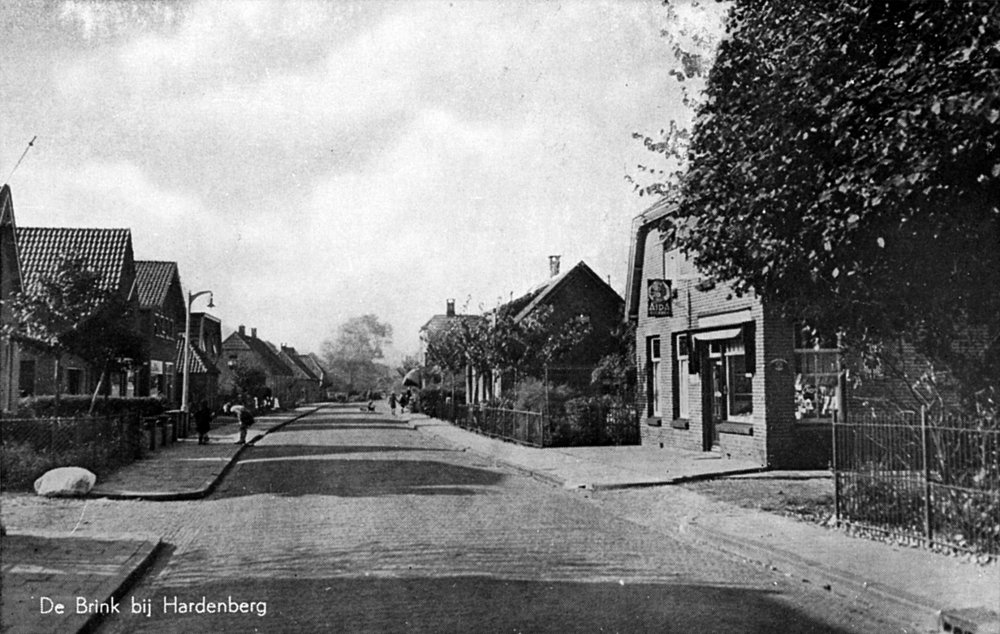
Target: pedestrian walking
point(246, 420)
point(392, 403)
point(203, 422)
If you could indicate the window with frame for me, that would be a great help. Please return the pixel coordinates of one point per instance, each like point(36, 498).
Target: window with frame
point(653, 378)
point(739, 383)
point(682, 367)
point(817, 372)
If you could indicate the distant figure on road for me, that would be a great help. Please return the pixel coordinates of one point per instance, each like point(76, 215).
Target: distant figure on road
point(392, 403)
point(245, 418)
point(203, 422)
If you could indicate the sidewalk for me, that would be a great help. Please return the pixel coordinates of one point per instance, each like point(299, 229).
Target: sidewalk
point(186, 470)
point(915, 580)
point(41, 570)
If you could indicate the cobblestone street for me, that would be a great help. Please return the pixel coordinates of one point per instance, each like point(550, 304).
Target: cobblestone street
point(348, 521)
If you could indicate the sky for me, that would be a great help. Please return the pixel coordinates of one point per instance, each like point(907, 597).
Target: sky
point(310, 162)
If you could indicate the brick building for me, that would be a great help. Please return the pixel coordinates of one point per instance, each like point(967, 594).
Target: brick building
point(578, 291)
point(10, 285)
point(722, 373)
point(106, 251)
point(206, 350)
point(161, 323)
point(241, 348)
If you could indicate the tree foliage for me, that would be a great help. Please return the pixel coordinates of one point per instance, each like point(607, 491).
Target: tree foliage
point(66, 311)
point(248, 381)
point(845, 164)
point(500, 343)
point(352, 354)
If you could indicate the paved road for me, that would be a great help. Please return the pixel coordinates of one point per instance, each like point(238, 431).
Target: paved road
point(351, 522)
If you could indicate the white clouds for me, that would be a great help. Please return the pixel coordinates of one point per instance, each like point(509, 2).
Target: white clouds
point(314, 160)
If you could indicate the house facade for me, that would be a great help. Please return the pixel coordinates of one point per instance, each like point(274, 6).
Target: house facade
point(305, 385)
point(203, 358)
point(243, 349)
point(576, 292)
point(106, 251)
point(161, 323)
point(10, 285)
point(723, 373)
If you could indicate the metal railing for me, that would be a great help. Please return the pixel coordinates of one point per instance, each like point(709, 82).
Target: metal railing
point(931, 478)
point(603, 424)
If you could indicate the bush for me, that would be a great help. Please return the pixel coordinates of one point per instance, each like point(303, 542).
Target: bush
point(79, 405)
point(595, 421)
point(21, 465)
point(431, 400)
point(530, 396)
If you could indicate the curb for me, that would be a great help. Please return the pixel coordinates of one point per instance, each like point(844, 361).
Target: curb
point(209, 485)
point(826, 577)
point(588, 486)
point(130, 579)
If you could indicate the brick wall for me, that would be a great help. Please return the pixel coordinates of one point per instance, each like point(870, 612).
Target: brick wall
point(777, 440)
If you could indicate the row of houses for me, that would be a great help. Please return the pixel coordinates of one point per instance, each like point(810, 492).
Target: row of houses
point(154, 291)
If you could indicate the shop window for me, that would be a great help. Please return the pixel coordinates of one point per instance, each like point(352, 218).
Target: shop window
point(682, 380)
point(817, 370)
point(739, 381)
point(653, 378)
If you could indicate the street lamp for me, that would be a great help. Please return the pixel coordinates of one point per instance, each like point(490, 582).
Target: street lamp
point(187, 344)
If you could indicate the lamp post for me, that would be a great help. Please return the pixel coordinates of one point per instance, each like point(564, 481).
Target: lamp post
point(187, 344)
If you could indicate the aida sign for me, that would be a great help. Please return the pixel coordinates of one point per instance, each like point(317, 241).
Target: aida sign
point(660, 295)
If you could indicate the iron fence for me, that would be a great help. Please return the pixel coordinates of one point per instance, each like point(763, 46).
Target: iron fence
point(31, 446)
point(605, 423)
point(914, 474)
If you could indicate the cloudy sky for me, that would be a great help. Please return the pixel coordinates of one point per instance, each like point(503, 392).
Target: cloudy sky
point(315, 161)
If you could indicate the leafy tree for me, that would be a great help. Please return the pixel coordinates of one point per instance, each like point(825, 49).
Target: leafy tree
point(617, 370)
point(499, 343)
point(109, 341)
point(50, 315)
point(845, 164)
point(249, 381)
point(352, 354)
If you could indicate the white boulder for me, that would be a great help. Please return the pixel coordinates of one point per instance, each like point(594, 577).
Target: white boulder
point(65, 482)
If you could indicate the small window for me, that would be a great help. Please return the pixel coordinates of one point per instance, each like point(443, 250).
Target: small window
point(683, 380)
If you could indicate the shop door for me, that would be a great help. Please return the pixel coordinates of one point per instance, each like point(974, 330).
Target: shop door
point(715, 401)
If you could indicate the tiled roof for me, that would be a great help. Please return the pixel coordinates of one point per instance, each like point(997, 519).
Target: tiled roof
point(152, 281)
point(104, 249)
point(302, 371)
point(265, 353)
point(441, 322)
point(198, 361)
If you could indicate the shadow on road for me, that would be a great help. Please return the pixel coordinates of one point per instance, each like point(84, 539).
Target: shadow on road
point(310, 470)
point(354, 424)
point(473, 604)
point(268, 452)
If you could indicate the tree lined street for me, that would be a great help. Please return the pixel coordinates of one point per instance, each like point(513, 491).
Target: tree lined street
point(347, 521)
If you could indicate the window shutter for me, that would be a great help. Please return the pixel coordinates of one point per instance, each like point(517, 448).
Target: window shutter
point(750, 346)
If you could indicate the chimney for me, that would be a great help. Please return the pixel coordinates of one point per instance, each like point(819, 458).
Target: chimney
point(553, 265)
point(451, 308)
point(253, 333)
point(243, 330)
